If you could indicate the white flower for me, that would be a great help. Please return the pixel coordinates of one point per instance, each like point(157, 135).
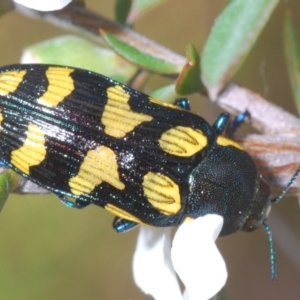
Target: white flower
point(44, 5)
point(194, 257)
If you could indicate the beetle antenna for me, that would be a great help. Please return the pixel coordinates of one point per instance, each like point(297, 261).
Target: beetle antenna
point(287, 186)
point(272, 251)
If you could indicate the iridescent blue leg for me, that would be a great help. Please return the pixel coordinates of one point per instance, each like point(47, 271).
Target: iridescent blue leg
point(69, 203)
point(183, 103)
point(2, 163)
point(122, 225)
point(221, 123)
point(237, 121)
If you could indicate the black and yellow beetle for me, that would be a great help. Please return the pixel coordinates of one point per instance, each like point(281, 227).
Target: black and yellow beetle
point(87, 137)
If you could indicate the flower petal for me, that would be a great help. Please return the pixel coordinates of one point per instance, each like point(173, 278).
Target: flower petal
point(44, 5)
point(196, 258)
point(152, 267)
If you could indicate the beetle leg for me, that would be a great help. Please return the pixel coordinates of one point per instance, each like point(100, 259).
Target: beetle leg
point(69, 203)
point(237, 122)
point(122, 225)
point(221, 123)
point(183, 103)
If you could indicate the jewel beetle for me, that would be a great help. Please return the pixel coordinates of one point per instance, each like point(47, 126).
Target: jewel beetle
point(89, 138)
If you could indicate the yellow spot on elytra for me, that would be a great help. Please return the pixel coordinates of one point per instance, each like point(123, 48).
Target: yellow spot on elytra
point(188, 219)
point(121, 213)
point(165, 104)
point(1, 119)
point(99, 165)
point(9, 81)
point(118, 117)
point(162, 192)
point(60, 85)
point(223, 141)
point(32, 152)
point(182, 141)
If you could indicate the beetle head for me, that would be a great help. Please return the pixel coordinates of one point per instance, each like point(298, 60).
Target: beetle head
point(227, 183)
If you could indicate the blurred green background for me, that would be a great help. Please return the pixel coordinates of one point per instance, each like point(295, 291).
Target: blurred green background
point(49, 251)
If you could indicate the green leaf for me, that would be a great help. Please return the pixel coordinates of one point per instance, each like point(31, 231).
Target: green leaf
point(9, 181)
point(15, 180)
point(122, 10)
point(141, 7)
point(165, 94)
point(292, 56)
point(148, 61)
point(5, 188)
point(189, 79)
point(78, 52)
point(230, 40)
